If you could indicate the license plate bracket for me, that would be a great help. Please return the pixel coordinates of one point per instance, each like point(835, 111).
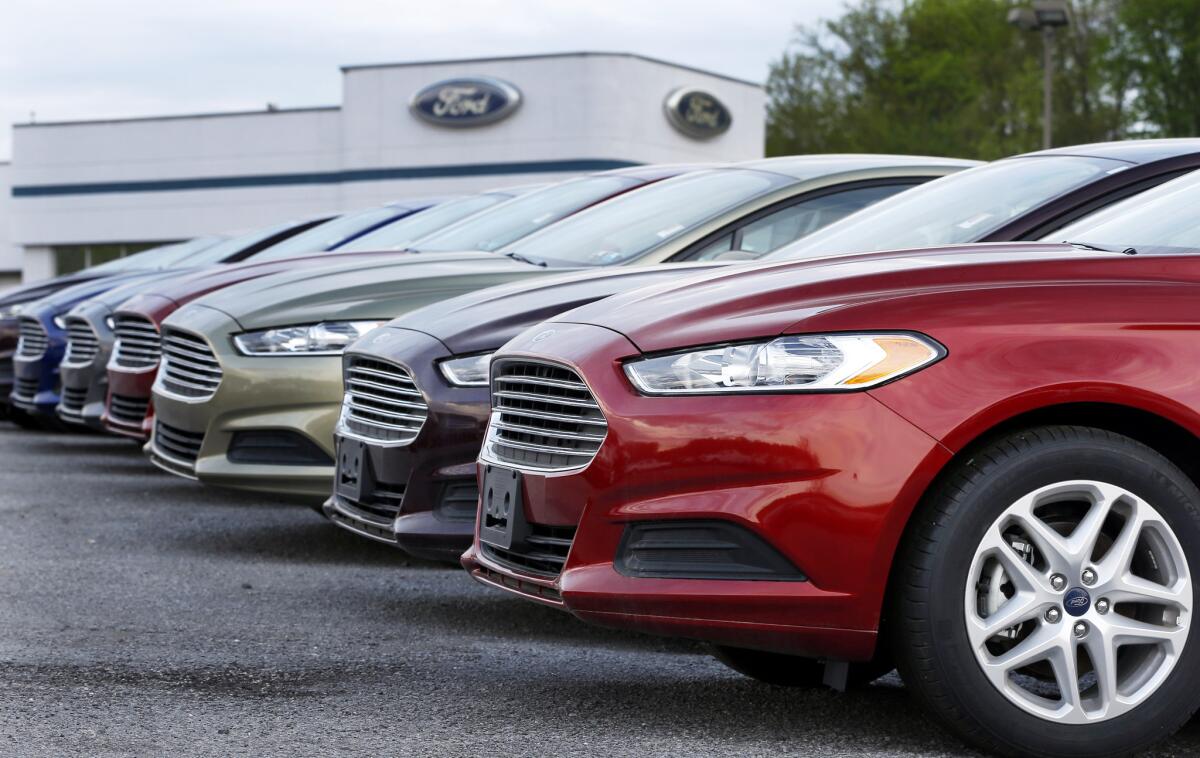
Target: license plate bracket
point(502, 507)
point(353, 470)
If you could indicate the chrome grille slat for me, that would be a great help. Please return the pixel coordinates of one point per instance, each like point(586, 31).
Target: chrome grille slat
point(189, 366)
point(386, 407)
point(82, 343)
point(544, 417)
point(139, 345)
point(33, 341)
point(71, 402)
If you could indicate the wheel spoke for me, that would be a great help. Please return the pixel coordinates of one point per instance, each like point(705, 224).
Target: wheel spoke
point(1126, 631)
point(1104, 663)
point(1116, 561)
point(1036, 647)
point(1065, 662)
point(1021, 607)
point(1134, 589)
point(1087, 533)
point(1020, 573)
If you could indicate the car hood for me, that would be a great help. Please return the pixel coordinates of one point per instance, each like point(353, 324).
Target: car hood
point(763, 300)
point(65, 299)
point(183, 290)
point(486, 319)
point(36, 291)
point(376, 290)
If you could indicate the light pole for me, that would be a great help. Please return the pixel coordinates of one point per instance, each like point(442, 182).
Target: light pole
point(1044, 16)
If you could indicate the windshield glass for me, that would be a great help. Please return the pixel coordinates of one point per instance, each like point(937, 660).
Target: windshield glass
point(632, 224)
point(161, 257)
point(400, 234)
point(524, 215)
point(327, 235)
point(962, 207)
point(1159, 220)
point(228, 247)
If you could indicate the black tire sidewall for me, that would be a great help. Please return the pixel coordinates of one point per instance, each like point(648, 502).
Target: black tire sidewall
point(1114, 460)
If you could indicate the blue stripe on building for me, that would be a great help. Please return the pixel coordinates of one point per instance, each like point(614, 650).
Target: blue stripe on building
point(323, 177)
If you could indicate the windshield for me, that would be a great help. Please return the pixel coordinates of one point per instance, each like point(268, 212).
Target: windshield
point(1159, 220)
point(962, 207)
point(400, 234)
point(524, 215)
point(165, 256)
point(230, 246)
point(328, 235)
point(632, 224)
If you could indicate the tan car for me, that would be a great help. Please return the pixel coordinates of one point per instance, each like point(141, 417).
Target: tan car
point(251, 385)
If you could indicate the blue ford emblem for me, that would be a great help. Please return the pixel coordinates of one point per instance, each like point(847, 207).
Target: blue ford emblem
point(696, 113)
point(1077, 601)
point(469, 101)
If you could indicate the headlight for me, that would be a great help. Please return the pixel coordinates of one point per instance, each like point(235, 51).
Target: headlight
point(471, 371)
point(10, 311)
point(329, 338)
point(827, 363)
point(60, 322)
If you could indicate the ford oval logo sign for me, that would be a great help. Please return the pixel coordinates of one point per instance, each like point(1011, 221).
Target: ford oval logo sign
point(470, 101)
point(697, 114)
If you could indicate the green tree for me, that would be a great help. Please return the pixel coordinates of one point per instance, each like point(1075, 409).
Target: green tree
point(1158, 49)
point(945, 77)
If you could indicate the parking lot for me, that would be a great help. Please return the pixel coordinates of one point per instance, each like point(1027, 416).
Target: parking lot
point(142, 614)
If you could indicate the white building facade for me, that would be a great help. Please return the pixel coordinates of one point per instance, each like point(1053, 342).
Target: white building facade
point(81, 192)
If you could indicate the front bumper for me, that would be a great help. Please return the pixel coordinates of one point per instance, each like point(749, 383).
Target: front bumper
point(85, 385)
point(297, 395)
point(825, 480)
point(435, 517)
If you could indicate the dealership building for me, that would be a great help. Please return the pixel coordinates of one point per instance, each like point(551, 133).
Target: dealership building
point(78, 193)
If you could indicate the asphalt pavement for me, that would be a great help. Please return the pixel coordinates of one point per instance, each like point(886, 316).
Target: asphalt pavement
point(142, 614)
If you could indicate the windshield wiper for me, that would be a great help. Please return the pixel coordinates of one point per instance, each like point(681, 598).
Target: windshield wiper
point(1087, 246)
point(523, 259)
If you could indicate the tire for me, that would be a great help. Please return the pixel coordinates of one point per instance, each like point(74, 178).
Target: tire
point(958, 535)
point(784, 670)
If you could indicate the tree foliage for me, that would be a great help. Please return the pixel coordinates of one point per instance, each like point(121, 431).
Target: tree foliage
point(953, 77)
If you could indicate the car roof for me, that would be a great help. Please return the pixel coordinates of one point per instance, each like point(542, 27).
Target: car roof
point(656, 171)
point(809, 166)
point(1135, 151)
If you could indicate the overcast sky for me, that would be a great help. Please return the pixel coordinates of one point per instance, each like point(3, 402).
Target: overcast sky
point(84, 59)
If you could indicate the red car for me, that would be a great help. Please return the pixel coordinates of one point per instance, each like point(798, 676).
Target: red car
point(979, 463)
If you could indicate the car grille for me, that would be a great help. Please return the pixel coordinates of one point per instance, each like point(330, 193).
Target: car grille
point(189, 367)
point(128, 411)
point(382, 503)
point(138, 343)
point(82, 343)
point(543, 417)
point(70, 404)
point(33, 340)
point(382, 402)
point(177, 444)
point(543, 551)
point(25, 389)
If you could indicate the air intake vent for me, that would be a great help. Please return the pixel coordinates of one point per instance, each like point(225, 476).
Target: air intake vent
point(138, 343)
point(33, 341)
point(128, 411)
point(544, 417)
point(82, 343)
point(542, 553)
point(71, 402)
point(382, 402)
point(177, 444)
point(189, 367)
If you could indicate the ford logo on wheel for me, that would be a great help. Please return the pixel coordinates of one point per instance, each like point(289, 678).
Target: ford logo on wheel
point(469, 101)
point(1077, 601)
